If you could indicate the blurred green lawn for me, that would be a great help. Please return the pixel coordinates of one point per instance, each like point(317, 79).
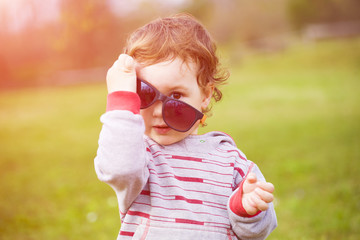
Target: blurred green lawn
point(295, 113)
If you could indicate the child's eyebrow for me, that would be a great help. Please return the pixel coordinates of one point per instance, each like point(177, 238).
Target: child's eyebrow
point(177, 87)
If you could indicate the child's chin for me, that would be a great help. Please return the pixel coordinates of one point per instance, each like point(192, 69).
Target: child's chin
point(168, 139)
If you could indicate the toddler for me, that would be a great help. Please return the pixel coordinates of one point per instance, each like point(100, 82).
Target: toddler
point(170, 182)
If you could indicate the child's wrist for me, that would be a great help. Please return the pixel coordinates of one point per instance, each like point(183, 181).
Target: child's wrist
point(236, 203)
point(123, 100)
point(121, 88)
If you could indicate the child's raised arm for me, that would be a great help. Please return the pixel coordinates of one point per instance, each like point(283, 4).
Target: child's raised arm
point(121, 159)
point(122, 75)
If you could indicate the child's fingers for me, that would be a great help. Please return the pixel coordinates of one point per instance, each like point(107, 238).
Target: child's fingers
point(264, 195)
point(122, 58)
point(129, 63)
point(260, 204)
point(125, 63)
point(267, 186)
point(250, 206)
point(253, 204)
point(251, 178)
point(122, 75)
point(250, 183)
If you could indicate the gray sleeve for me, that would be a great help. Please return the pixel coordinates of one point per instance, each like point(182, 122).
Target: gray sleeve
point(121, 159)
point(257, 227)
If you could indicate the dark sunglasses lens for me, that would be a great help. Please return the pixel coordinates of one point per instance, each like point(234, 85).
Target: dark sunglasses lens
point(147, 94)
point(178, 115)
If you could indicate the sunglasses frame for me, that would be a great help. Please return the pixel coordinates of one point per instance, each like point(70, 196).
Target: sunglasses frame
point(164, 99)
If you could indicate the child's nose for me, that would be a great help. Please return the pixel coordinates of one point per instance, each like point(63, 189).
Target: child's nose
point(157, 107)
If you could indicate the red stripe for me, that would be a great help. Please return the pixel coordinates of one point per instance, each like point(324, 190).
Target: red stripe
point(194, 201)
point(186, 158)
point(124, 233)
point(212, 224)
point(153, 217)
point(136, 213)
point(202, 170)
point(184, 179)
point(221, 164)
point(174, 197)
point(239, 170)
point(179, 220)
point(194, 169)
point(150, 144)
point(145, 192)
point(171, 220)
point(222, 156)
point(143, 237)
point(240, 156)
point(194, 159)
point(189, 179)
point(188, 190)
point(157, 154)
point(229, 234)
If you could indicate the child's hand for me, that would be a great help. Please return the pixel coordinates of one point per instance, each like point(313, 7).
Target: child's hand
point(122, 75)
point(256, 194)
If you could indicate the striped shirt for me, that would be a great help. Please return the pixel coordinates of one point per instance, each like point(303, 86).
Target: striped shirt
point(179, 191)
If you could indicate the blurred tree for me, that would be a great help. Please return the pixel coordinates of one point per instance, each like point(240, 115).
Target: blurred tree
point(303, 12)
point(222, 20)
point(4, 21)
point(87, 34)
point(22, 47)
point(241, 20)
point(201, 10)
point(259, 19)
point(4, 68)
point(5, 73)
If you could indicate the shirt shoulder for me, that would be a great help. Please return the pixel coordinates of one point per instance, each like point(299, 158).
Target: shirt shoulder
point(199, 145)
point(222, 142)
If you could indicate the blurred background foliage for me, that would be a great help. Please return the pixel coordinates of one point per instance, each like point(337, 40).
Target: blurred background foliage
point(40, 40)
point(292, 105)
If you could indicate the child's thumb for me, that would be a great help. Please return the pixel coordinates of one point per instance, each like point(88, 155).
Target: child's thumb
point(129, 64)
point(125, 63)
point(251, 178)
point(249, 181)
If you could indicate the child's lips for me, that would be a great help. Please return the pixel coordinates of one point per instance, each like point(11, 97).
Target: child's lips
point(161, 129)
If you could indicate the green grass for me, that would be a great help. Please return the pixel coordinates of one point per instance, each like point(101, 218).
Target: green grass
point(295, 113)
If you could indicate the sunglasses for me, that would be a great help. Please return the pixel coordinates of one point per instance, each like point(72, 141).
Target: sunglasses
point(177, 114)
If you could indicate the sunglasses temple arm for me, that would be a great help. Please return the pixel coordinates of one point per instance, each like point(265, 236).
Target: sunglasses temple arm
point(203, 119)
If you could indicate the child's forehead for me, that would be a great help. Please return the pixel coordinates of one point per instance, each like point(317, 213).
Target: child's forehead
point(172, 62)
point(170, 74)
point(176, 67)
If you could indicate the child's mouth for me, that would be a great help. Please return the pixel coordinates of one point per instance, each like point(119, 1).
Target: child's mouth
point(162, 129)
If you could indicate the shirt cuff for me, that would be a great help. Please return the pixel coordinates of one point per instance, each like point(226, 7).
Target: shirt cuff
point(123, 100)
point(236, 205)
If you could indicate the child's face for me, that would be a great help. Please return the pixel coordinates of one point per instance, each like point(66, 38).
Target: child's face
point(178, 80)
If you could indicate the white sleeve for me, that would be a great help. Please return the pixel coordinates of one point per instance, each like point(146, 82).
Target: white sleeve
point(122, 158)
point(257, 227)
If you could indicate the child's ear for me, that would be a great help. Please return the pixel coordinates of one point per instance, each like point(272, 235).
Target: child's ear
point(207, 95)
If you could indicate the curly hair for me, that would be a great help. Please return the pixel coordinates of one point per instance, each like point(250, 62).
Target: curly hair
point(182, 36)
